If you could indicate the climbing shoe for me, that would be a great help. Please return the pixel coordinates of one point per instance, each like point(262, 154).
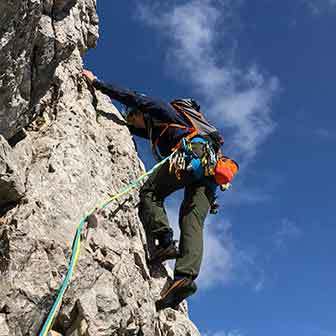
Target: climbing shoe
point(163, 253)
point(179, 290)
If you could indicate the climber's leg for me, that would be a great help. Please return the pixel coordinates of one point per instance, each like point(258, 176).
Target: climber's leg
point(192, 215)
point(193, 212)
point(153, 214)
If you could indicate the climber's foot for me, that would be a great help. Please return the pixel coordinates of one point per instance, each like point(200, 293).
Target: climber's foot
point(179, 290)
point(162, 254)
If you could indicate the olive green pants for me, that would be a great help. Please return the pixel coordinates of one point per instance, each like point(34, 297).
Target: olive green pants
point(193, 210)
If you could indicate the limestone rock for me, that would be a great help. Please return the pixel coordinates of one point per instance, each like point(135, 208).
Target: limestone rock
point(63, 147)
point(12, 176)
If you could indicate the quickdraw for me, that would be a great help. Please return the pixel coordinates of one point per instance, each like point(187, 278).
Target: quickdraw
point(205, 163)
point(209, 160)
point(185, 159)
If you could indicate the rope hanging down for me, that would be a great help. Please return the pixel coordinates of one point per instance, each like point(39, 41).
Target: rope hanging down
point(76, 245)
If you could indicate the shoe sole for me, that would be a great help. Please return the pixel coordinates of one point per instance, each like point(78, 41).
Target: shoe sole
point(172, 300)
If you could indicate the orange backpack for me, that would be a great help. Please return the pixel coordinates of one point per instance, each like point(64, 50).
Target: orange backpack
point(225, 170)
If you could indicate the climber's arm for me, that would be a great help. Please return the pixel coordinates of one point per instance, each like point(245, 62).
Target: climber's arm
point(155, 108)
point(140, 132)
point(124, 96)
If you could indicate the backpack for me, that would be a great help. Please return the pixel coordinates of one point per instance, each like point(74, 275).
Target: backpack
point(221, 167)
point(198, 125)
point(190, 109)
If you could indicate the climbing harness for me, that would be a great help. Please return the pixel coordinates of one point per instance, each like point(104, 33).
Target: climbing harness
point(214, 168)
point(205, 163)
point(75, 249)
point(185, 159)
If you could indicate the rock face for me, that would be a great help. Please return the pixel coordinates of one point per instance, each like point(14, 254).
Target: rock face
point(62, 148)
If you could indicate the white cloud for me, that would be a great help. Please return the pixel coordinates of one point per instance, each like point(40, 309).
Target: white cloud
point(238, 99)
point(259, 286)
point(325, 134)
point(318, 7)
point(219, 255)
point(288, 231)
point(323, 332)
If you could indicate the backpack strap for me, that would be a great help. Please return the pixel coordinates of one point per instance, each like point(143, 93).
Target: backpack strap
point(180, 110)
point(165, 127)
point(194, 128)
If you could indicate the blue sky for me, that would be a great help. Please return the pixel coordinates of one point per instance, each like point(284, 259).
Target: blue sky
point(264, 73)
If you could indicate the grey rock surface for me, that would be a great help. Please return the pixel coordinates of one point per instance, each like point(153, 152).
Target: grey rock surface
point(63, 147)
point(12, 176)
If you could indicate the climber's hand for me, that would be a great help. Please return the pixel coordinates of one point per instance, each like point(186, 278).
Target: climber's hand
point(89, 76)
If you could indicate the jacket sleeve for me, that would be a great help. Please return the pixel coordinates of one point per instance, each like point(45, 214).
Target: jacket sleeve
point(124, 96)
point(155, 108)
point(138, 131)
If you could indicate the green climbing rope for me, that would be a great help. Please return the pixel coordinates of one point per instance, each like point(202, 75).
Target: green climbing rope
point(75, 249)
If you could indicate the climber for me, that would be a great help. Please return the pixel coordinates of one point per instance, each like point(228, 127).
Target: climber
point(167, 129)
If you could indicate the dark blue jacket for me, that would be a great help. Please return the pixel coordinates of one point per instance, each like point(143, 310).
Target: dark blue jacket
point(155, 111)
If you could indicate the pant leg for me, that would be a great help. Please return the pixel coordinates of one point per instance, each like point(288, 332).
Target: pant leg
point(193, 212)
point(151, 210)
